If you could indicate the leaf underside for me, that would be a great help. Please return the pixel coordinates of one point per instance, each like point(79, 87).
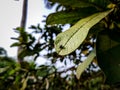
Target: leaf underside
point(71, 39)
point(85, 64)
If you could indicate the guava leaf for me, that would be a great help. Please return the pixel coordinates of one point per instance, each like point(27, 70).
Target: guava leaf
point(73, 3)
point(85, 64)
point(71, 39)
point(82, 3)
point(108, 56)
point(71, 17)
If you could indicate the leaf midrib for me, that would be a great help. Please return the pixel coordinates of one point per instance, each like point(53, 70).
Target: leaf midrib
point(77, 31)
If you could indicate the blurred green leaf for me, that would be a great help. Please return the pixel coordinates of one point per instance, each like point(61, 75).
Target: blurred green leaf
point(115, 35)
point(15, 44)
point(6, 61)
point(20, 29)
point(83, 3)
point(108, 56)
point(33, 27)
point(85, 64)
point(42, 71)
point(3, 51)
point(24, 83)
point(64, 17)
point(73, 3)
point(2, 70)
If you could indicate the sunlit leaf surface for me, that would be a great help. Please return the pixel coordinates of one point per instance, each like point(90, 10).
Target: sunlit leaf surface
point(71, 39)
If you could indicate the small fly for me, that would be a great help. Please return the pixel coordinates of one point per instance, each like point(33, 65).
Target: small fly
point(62, 47)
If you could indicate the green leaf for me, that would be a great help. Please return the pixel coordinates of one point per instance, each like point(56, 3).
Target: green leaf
point(20, 29)
point(15, 44)
point(71, 39)
point(85, 64)
point(11, 72)
point(73, 3)
point(2, 70)
point(115, 35)
point(6, 61)
point(108, 56)
point(42, 71)
point(70, 17)
point(3, 51)
point(83, 3)
point(24, 83)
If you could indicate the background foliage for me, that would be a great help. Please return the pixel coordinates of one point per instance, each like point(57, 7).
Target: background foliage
point(27, 75)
